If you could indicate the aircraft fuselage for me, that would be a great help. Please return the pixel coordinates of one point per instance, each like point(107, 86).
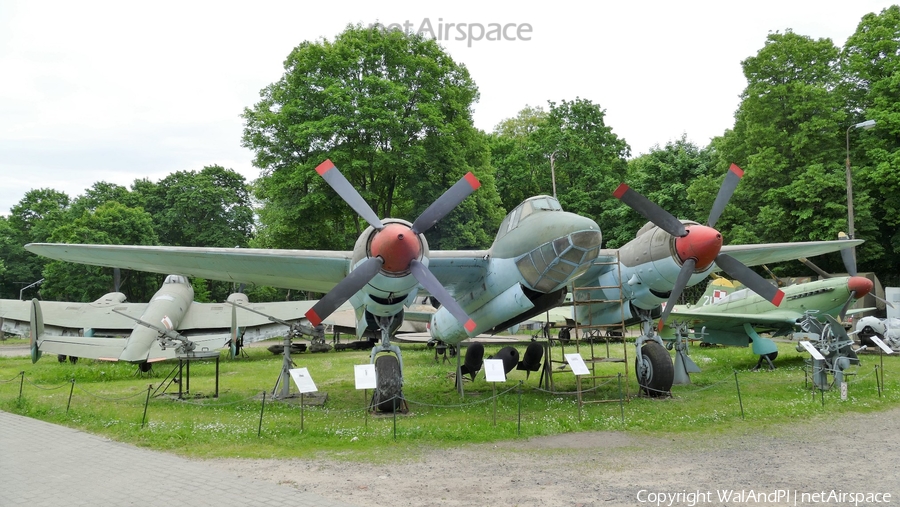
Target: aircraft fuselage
point(169, 304)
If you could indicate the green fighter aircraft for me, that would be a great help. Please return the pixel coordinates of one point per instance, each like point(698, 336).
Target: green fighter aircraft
point(730, 315)
point(538, 252)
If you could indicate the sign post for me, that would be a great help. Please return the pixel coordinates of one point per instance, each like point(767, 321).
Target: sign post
point(493, 373)
point(304, 384)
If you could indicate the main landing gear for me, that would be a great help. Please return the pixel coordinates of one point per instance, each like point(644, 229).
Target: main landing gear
point(388, 396)
point(652, 363)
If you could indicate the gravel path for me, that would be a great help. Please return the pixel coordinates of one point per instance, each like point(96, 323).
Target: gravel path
point(816, 462)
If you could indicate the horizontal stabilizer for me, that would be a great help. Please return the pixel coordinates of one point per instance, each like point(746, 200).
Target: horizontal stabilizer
point(89, 348)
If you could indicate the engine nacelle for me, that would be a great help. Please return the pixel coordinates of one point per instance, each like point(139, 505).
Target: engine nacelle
point(509, 304)
point(649, 269)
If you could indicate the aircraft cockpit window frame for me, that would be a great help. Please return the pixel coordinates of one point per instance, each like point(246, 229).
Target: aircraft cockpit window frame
point(545, 203)
point(175, 279)
point(513, 219)
point(527, 208)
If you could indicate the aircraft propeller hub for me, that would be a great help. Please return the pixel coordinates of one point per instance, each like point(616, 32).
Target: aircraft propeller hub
point(701, 243)
point(860, 285)
point(397, 245)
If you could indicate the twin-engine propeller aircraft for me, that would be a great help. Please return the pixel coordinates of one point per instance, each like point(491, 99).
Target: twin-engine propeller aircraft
point(538, 251)
point(730, 315)
point(170, 326)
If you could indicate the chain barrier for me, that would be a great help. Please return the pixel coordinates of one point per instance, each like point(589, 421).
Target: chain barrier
point(573, 393)
point(104, 398)
point(857, 378)
point(460, 405)
point(20, 374)
point(216, 404)
point(32, 384)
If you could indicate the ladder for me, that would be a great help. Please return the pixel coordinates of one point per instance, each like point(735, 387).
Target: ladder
point(599, 341)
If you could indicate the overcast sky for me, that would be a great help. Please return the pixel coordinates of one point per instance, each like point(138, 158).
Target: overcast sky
point(115, 91)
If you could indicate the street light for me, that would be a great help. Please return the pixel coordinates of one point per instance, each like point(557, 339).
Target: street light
point(865, 125)
point(553, 172)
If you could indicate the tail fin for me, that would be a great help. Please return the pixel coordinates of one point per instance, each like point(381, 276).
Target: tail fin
point(717, 289)
point(37, 330)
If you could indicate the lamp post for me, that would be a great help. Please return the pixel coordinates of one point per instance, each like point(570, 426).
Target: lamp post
point(866, 125)
point(553, 172)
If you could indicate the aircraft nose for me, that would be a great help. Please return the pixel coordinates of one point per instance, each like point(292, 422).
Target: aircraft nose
point(860, 285)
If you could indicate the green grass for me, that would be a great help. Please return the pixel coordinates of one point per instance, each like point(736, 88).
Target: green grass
point(109, 399)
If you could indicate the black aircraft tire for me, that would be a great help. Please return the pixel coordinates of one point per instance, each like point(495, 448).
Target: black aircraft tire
point(73, 359)
point(388, 387)
point(660, 372)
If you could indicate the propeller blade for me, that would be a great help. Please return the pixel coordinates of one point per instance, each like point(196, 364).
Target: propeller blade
point(732, 178)
point(848, 255)
point(433, 286)
point(339, 183)
point(650, 210)
point(117, 279)
point(684, 276)
point(748, 277)
point(819, 271)
point(446, 202)
point(356, 280)
point(846, 306)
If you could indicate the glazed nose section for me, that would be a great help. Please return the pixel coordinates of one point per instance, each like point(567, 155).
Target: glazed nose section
point(860, 285)
point(553, 264)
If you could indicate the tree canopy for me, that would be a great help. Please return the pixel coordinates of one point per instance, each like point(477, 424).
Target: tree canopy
point(393, 112)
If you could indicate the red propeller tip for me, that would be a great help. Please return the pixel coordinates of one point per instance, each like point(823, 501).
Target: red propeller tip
point(736, 170)
point(621, 191)
point(324, 167)
point(778, 297)
point(660, 327)
point(472, 181)
point(470, 325)
point(313, 318)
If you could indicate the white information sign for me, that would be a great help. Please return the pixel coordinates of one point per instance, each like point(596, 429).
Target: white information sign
point(812, 350)
point(304, 382)
point(577, 364)
point(493, 370)
point(883, 346)
point(365, 376)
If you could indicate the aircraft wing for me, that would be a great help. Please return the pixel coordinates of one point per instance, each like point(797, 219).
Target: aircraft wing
point(76, 346)
point(735, 321)
point(69, 319)
point(312, 270)
point(218, 315)
point(206, 317)
point(109, 349)
point(770, 253)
